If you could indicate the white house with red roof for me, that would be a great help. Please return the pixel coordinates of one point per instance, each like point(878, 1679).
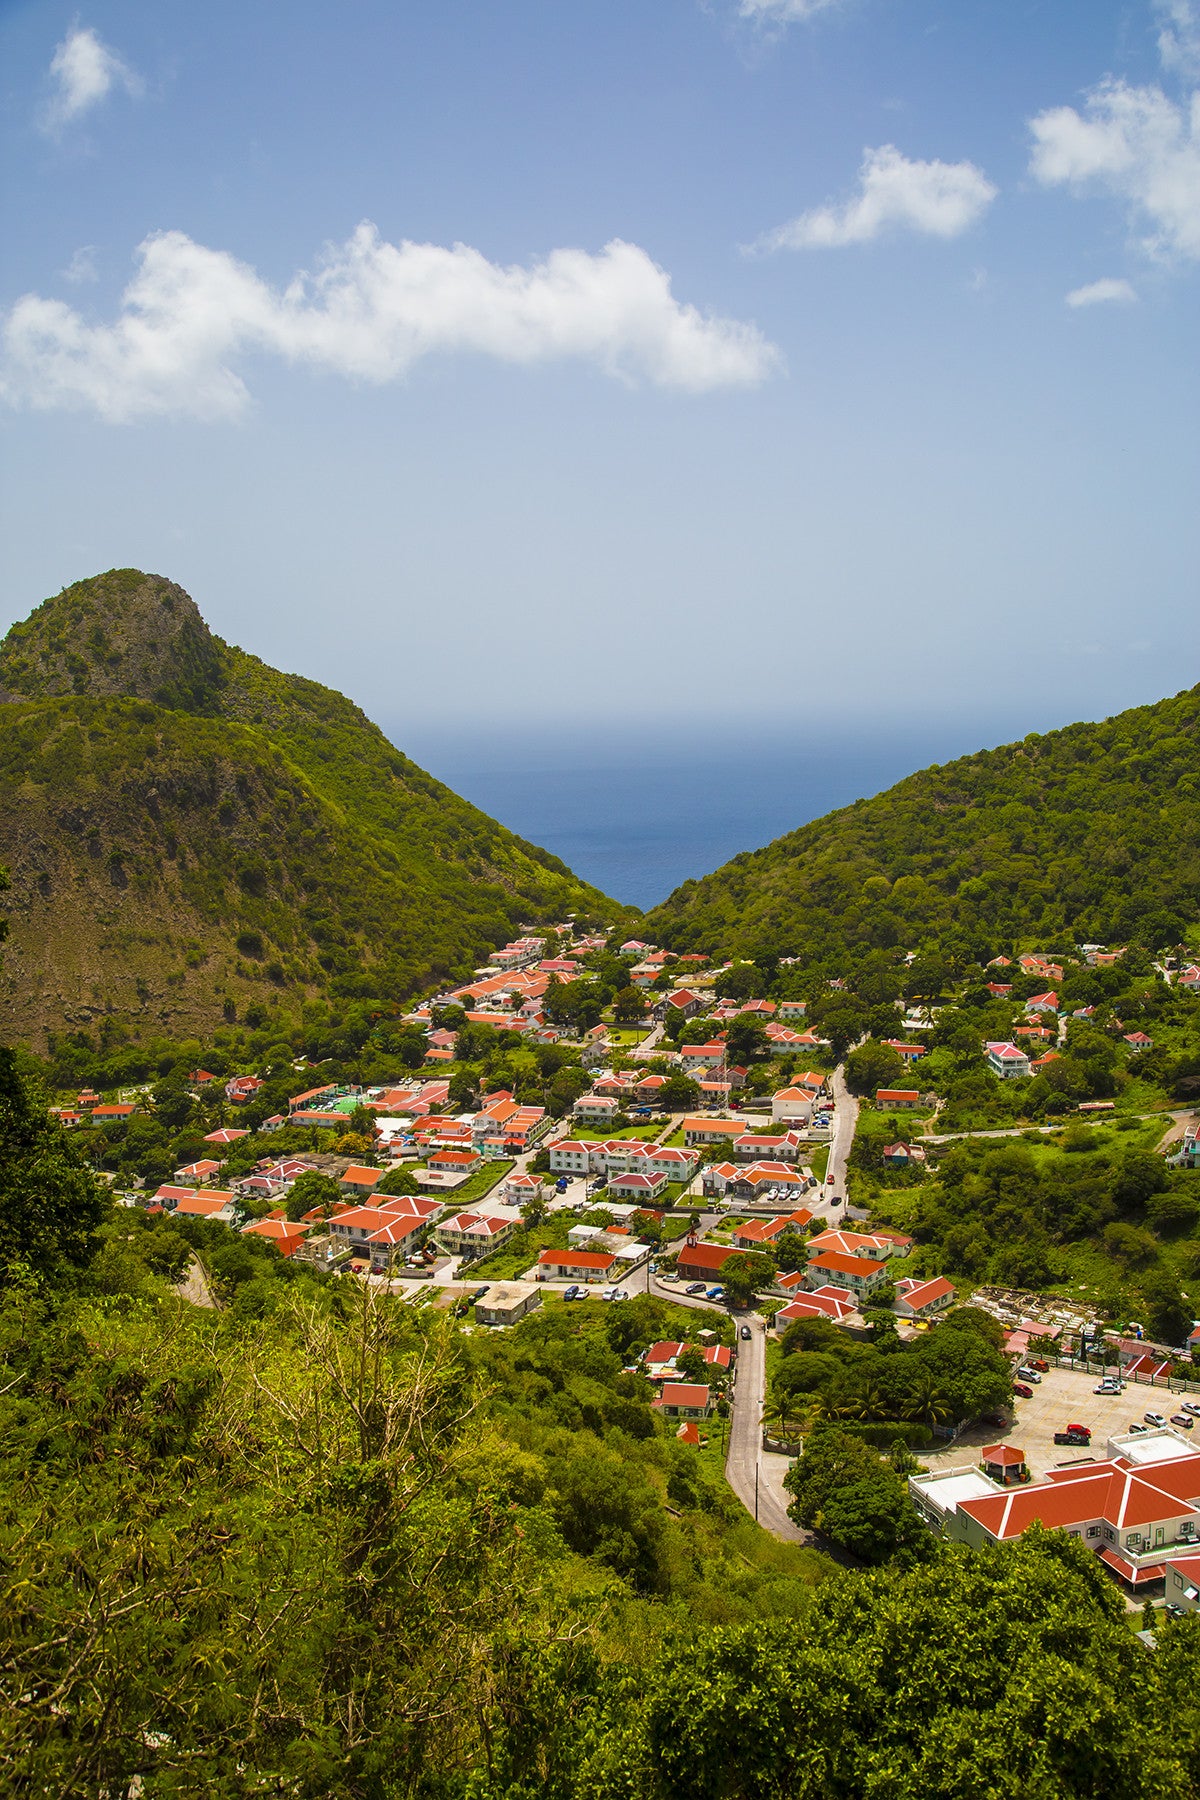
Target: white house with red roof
point(684, 1400)
point(858, 1273)
point(587, 1266)
point(475, 1234)
point(917, 1299)
point(1007, 1062)
point(837, 1304)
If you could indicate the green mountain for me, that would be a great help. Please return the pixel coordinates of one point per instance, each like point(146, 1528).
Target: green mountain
point(1090, 833)
point(192, 835)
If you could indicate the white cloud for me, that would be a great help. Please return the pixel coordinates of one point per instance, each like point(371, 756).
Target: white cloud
point(84, 72)
point(938, 198)
point(370, 311)
point(82, 266)
point(1139, 145)
point(785, 12)
point(1179, 38)
point(1097, 293)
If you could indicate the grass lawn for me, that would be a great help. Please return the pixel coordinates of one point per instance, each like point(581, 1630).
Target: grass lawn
point(591, 1134)
point(624, 1036)
point(818, 1162)
point(521, 1251)
point(675, 1141)
point(482, 1182)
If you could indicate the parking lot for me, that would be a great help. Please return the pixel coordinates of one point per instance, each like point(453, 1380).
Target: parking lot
point(1064, 1396)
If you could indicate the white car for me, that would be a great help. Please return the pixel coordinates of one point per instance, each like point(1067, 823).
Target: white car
point(1030, 1375)
point(1190, 1406)
point(1154, 1418)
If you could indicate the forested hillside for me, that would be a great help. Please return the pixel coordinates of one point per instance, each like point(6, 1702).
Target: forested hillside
point(1091, 833)
point(193, 834)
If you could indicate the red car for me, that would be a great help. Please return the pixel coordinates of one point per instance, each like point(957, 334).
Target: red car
point(1019, 1387)
point(1084, 1430)
point(1039, 1363)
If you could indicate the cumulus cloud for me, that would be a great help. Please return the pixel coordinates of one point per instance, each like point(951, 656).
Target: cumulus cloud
point(1136, 143)
point(1179, 36)
point(370, 311)
point(937, 198)
point(84, 72)
point(1097, 293)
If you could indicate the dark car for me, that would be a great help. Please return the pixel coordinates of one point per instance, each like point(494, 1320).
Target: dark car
point(572, 1293)
point(746, 1333)
point(835, 1199)
point(1019, 1387)
point(695, 1287)
point(478, 1293)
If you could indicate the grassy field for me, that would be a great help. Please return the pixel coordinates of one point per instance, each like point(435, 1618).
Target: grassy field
point(476, 1186)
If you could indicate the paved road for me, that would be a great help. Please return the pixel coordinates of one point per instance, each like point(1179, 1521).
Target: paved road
point(744, 1463)
point(845, 1118)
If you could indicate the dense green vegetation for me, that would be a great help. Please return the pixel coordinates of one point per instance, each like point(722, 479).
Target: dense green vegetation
point(1092, 833)
point(193, 834)
point(1094, 1212)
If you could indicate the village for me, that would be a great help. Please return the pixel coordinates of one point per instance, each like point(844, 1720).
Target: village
point(671, 1174)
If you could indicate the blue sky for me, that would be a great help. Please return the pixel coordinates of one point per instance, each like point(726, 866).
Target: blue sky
point(822, 438)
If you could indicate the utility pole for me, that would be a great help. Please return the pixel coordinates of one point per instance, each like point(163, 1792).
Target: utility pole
point(756, 1469)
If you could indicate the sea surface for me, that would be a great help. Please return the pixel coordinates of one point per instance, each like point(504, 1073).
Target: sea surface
point(638, 820)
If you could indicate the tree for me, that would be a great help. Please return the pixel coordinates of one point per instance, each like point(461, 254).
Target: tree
point(629, 1004)
point(741, 982)
point(400, 1180)
point(746, 1040)
point(691, 1366)
point(1168, 1311)
point(533, 1210)
point(678, 1093)
point(873, 1065)
point(311, 1191)
point(745, 1273)
point(51, 1205)
point(841, 1487)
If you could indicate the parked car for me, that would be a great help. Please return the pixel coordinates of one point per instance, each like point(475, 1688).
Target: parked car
point(1030, 1375)
point(715, 1293)
point(1153, 1418)
point(1134, 1426)
point(1071, 1437)
point(835, 1200)
point(745, 1334)
point(694, 1287)
point(1039, 1362)
point(1073, 1425)
point(478, 1293)
point(1106, 1387)
point(669, 1275)
point(573, 1292)
point(1020, 1388)
point(1190, 1406)
point(1184, 1420)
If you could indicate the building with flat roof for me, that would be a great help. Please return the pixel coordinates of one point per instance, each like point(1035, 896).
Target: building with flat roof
point(508, 1301)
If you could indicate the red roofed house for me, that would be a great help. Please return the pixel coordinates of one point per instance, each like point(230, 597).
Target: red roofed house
point(792, 1103)
point(876, 1245)
point(219, 1207)
point(703, 1262)
point(227, 1134)
point(1182, 1575)
point(922, 1299)
point(574, 1265)
point(764, 1231)
point(453, 1162)
point(286, 1236)
point(897, 1099)
point(114, 1114)
point(197, 1173)
point(712, 1131)
point(636, 1185)
point(358, 1223)
point(394, 1240)
point(858, 1273)
point(472, 1234)
point(684, 1400)
point(360, 1181)
point(835, 1303)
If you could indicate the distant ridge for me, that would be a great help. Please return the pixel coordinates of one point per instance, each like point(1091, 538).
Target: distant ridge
point(192, 834)
point(1092, 832)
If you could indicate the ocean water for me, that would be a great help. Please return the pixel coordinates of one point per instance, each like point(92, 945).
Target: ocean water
point(638, 821)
